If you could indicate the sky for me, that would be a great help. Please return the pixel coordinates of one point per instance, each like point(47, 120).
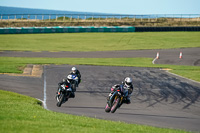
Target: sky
point(112, 6)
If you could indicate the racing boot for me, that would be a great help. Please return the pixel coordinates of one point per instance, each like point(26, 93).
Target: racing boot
point(72, 95)
point(57, 93)
point(108, 98)
point(127, 100)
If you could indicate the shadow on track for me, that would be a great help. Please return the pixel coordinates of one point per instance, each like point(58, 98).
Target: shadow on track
point(165, 88)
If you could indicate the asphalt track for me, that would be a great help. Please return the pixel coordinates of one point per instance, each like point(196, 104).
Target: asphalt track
point(190, 56)
point(159, 98)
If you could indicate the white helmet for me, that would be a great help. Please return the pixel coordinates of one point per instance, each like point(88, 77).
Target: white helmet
point(128, 81)
point(69, 78)
point(74, 69)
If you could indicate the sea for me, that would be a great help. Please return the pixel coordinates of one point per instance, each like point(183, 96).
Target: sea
point(17, 10)
point(30, 12)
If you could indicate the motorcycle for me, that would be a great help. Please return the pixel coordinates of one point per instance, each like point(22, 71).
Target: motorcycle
point(63, 95)
point(74, 81)
point(115, 100)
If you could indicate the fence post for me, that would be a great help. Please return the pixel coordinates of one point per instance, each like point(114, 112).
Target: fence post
point(181, 18)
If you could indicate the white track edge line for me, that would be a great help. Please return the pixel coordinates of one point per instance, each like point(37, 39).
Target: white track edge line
point(176, 74)
point(45, 89)
point(183, 77)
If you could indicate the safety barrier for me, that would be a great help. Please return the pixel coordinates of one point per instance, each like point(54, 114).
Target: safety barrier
point(76, 29)
point(70, 29)
point(163, 29)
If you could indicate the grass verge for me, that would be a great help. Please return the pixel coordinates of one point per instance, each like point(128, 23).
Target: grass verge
point(99, 41)
point(20, 113)
point(12, 64)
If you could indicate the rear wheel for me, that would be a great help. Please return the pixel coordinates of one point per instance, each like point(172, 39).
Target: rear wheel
point(74, 87)
point(115, 104)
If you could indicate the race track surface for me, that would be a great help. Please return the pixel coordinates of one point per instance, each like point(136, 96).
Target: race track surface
point(190, 56)
point(159, 98)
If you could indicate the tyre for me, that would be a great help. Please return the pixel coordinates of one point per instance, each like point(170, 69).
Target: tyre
point(115, 104)
point(107, 108)
point(61, 99)
point(74, 87)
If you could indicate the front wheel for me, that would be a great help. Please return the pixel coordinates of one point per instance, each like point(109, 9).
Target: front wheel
point(107, 108)
point(60, 99)
point(115, 104)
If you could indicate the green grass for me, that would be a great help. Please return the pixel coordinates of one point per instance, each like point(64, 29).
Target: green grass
point(24, 114)
point(12, 64)
point(99, 41)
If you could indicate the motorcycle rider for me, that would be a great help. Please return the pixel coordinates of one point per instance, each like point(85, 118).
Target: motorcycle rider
point(75, 71)
point(67, 83)
point(127, 87)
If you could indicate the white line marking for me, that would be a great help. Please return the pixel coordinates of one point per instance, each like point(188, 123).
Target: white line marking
point(154, 60)
point(176, 74)
point(182, 77)
point(45, 89)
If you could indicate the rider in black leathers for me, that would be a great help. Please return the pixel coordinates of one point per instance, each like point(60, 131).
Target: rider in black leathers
point(67, 83)
point(127, 86)
point(76, 72)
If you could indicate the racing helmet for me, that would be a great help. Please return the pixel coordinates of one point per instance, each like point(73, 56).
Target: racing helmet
point(69, 78)
point(128, 81)
point(74, 69)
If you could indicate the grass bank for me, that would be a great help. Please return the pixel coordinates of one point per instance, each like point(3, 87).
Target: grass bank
point(99, 41)
point(16, 64)
point(24, 114)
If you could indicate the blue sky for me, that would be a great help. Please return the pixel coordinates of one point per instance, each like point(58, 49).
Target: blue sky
point(112, 6)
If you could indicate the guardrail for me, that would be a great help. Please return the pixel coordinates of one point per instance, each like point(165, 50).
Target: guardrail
point(109, 20)
point(86, 17)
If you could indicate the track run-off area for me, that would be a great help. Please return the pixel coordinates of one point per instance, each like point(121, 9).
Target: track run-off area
point(159, 98)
